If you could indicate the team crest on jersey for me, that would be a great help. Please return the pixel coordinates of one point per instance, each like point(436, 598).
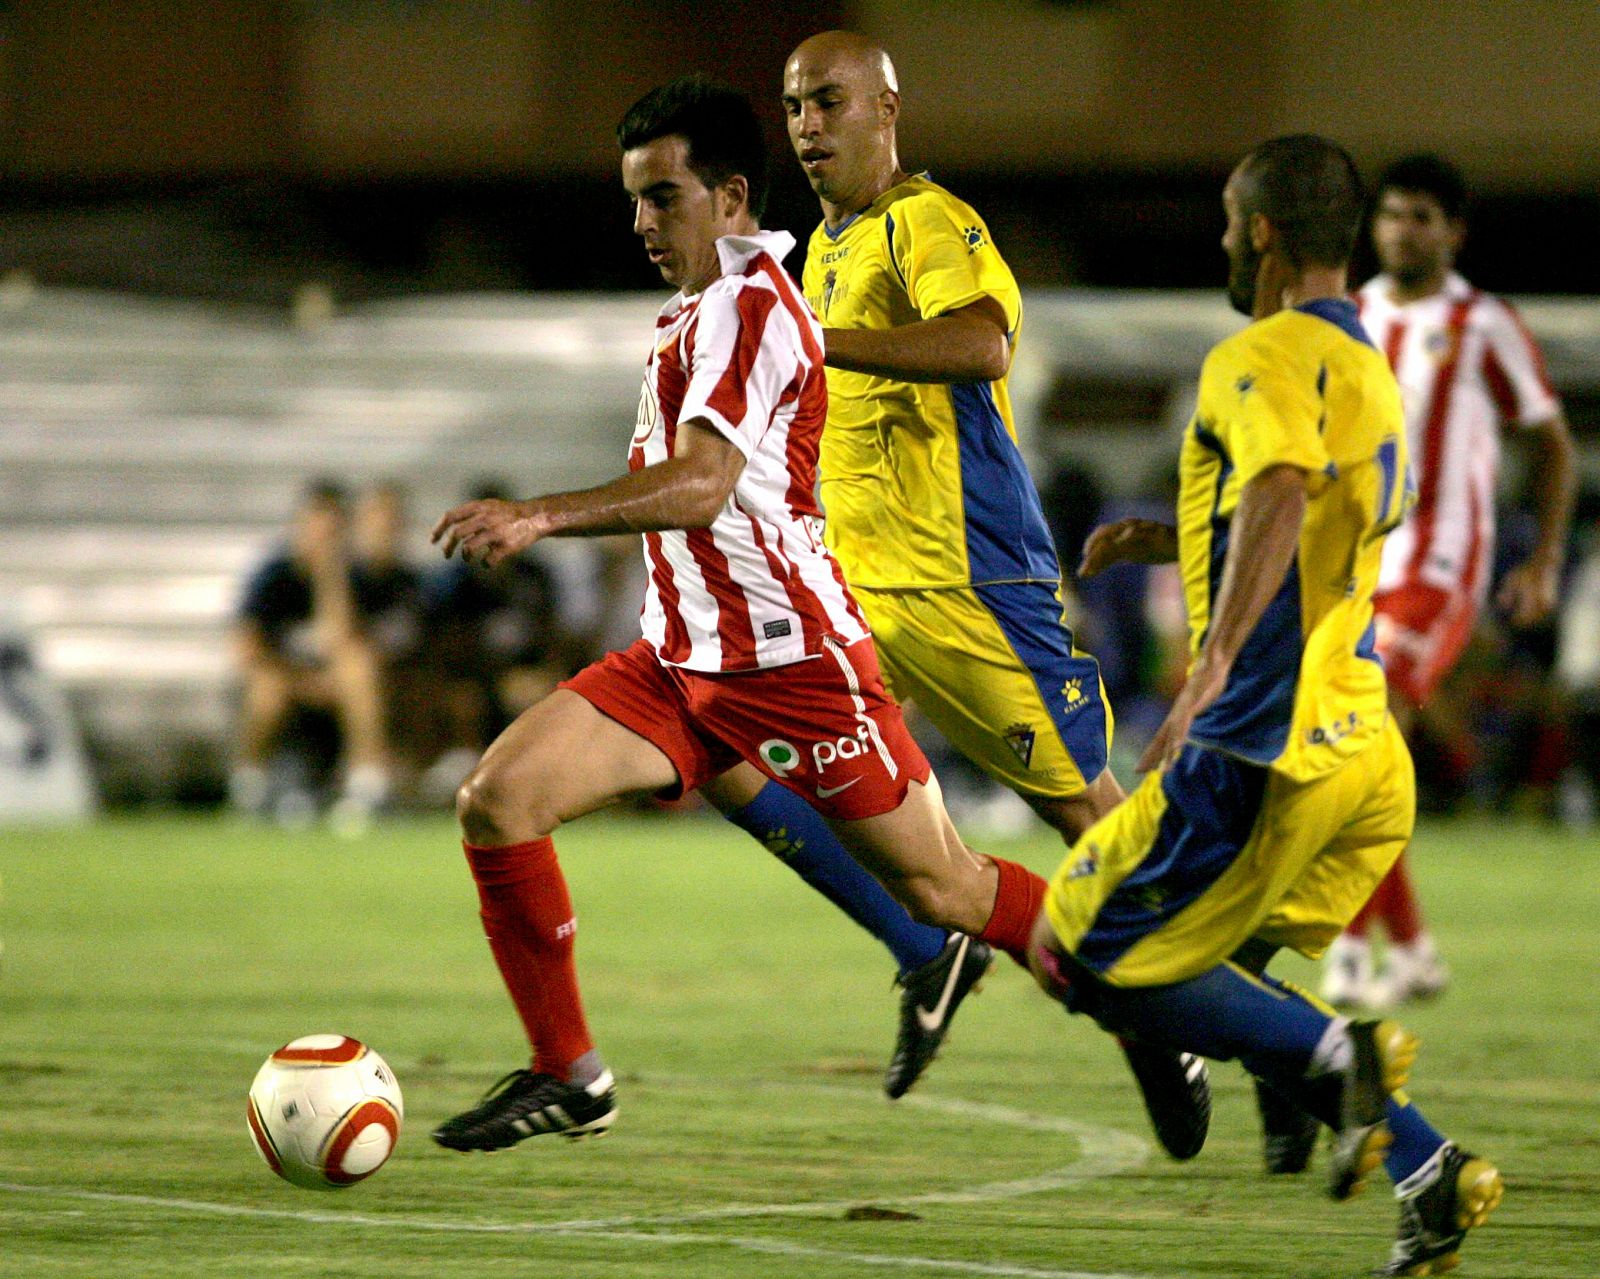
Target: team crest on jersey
point(975, 238)
point(1086, 865)
point(828, 281)
point(645, 424)
point(1441, 345)
point(1019, 737)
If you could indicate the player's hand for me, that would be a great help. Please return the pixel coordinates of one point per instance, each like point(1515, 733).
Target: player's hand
point(1205, 684)
point(1128, 541)
point(1528, 592)
point(489, 531)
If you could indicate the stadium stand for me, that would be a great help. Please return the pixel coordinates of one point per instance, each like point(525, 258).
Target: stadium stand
point(149, 451)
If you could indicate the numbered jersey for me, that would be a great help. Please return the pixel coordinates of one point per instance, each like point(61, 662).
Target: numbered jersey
point(744, 357)
point(1304, 388)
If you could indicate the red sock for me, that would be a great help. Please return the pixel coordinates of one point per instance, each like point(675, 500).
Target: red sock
point(1358, 926)
point(1397, 905)
point(1016, 906)
point(527, 916)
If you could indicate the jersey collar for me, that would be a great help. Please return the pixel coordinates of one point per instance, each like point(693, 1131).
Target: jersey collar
point(1380, 288)
point(735, 253)
point(833, 233)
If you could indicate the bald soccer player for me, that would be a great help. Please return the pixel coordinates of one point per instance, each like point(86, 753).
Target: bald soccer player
point(935, 520)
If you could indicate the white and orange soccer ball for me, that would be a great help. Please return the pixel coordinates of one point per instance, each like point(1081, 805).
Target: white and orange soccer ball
point(325, 1111)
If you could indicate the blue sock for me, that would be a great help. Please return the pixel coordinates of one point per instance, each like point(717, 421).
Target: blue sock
point(1416, 1141)
point(1224, 1013)
point(797, 834)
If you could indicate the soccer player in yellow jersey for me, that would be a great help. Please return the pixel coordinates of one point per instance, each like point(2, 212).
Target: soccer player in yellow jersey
point(1278, 791)
point(937, 526)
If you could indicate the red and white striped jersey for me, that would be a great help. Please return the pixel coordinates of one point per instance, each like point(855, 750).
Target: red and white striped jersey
point(758, 588)
point(1467, 370)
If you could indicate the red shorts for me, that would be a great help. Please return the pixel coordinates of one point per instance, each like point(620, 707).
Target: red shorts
point(824, 727)
point(1422, 631)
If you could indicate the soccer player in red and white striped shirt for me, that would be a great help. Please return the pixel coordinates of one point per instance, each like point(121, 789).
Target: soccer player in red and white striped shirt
point(1469, 372)
point(753, 649)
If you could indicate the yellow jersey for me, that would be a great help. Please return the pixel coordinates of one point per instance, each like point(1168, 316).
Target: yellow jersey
point(923, 483)
point(1305, 388)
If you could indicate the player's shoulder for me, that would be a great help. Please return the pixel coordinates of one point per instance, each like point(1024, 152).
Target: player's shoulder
point(920, 199)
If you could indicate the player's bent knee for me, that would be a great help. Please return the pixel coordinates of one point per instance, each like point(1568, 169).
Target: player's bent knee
point(496, 809)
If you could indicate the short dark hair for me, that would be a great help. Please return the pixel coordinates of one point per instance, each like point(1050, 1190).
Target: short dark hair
point(1309, 188)
point(717, 122)
point(324, 490)
point(1430, 175)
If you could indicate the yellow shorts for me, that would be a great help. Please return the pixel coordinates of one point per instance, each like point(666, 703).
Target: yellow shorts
point(1215, 851)
point(994, 669)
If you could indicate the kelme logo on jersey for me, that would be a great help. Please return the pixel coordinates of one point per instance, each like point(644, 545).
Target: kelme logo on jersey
point(778, 755)
point(1072, 690)
point(975, 238)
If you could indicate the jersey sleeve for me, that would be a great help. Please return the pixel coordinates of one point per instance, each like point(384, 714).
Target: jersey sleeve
point(1267, 411)
point(742, 362)
point(1513, 368)
point(946, 260)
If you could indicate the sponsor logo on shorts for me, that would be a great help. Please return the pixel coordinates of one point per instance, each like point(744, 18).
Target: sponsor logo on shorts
point(1020, 738)
point(825, 753)
point(778, 755)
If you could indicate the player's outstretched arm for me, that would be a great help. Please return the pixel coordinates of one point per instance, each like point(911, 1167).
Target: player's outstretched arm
point(1263, 537)
point(969, 344)
point(1131, 541)
point(685, 491)
point(1528, 593)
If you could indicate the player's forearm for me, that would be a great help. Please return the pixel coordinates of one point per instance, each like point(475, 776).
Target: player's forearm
point(1263, 538)
point(674, 494)
point(948, 348)
point(1556, 484)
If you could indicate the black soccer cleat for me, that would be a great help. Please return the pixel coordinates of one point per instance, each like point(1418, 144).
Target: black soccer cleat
point(1288, 1131)
point(929, 998)
point(525, 1104)
point(1177, 1095)
point(1434, 1221)
point(1381, 1057)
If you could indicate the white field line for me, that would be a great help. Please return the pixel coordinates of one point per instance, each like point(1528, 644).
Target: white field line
point(1103, 1153)
point(562, 1230)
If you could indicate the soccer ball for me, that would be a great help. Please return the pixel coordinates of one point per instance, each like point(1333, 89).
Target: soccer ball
point(325, 1112)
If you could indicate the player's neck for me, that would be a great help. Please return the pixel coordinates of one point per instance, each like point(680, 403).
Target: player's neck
point(745, 225)
point(1281, 290)
point(1404, 292)
point(884, 176)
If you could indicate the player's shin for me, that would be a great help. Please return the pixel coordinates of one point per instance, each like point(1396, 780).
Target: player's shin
point(797, 834)
point(532, 932)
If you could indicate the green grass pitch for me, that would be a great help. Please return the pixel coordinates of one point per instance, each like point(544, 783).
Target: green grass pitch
point(150, 965)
